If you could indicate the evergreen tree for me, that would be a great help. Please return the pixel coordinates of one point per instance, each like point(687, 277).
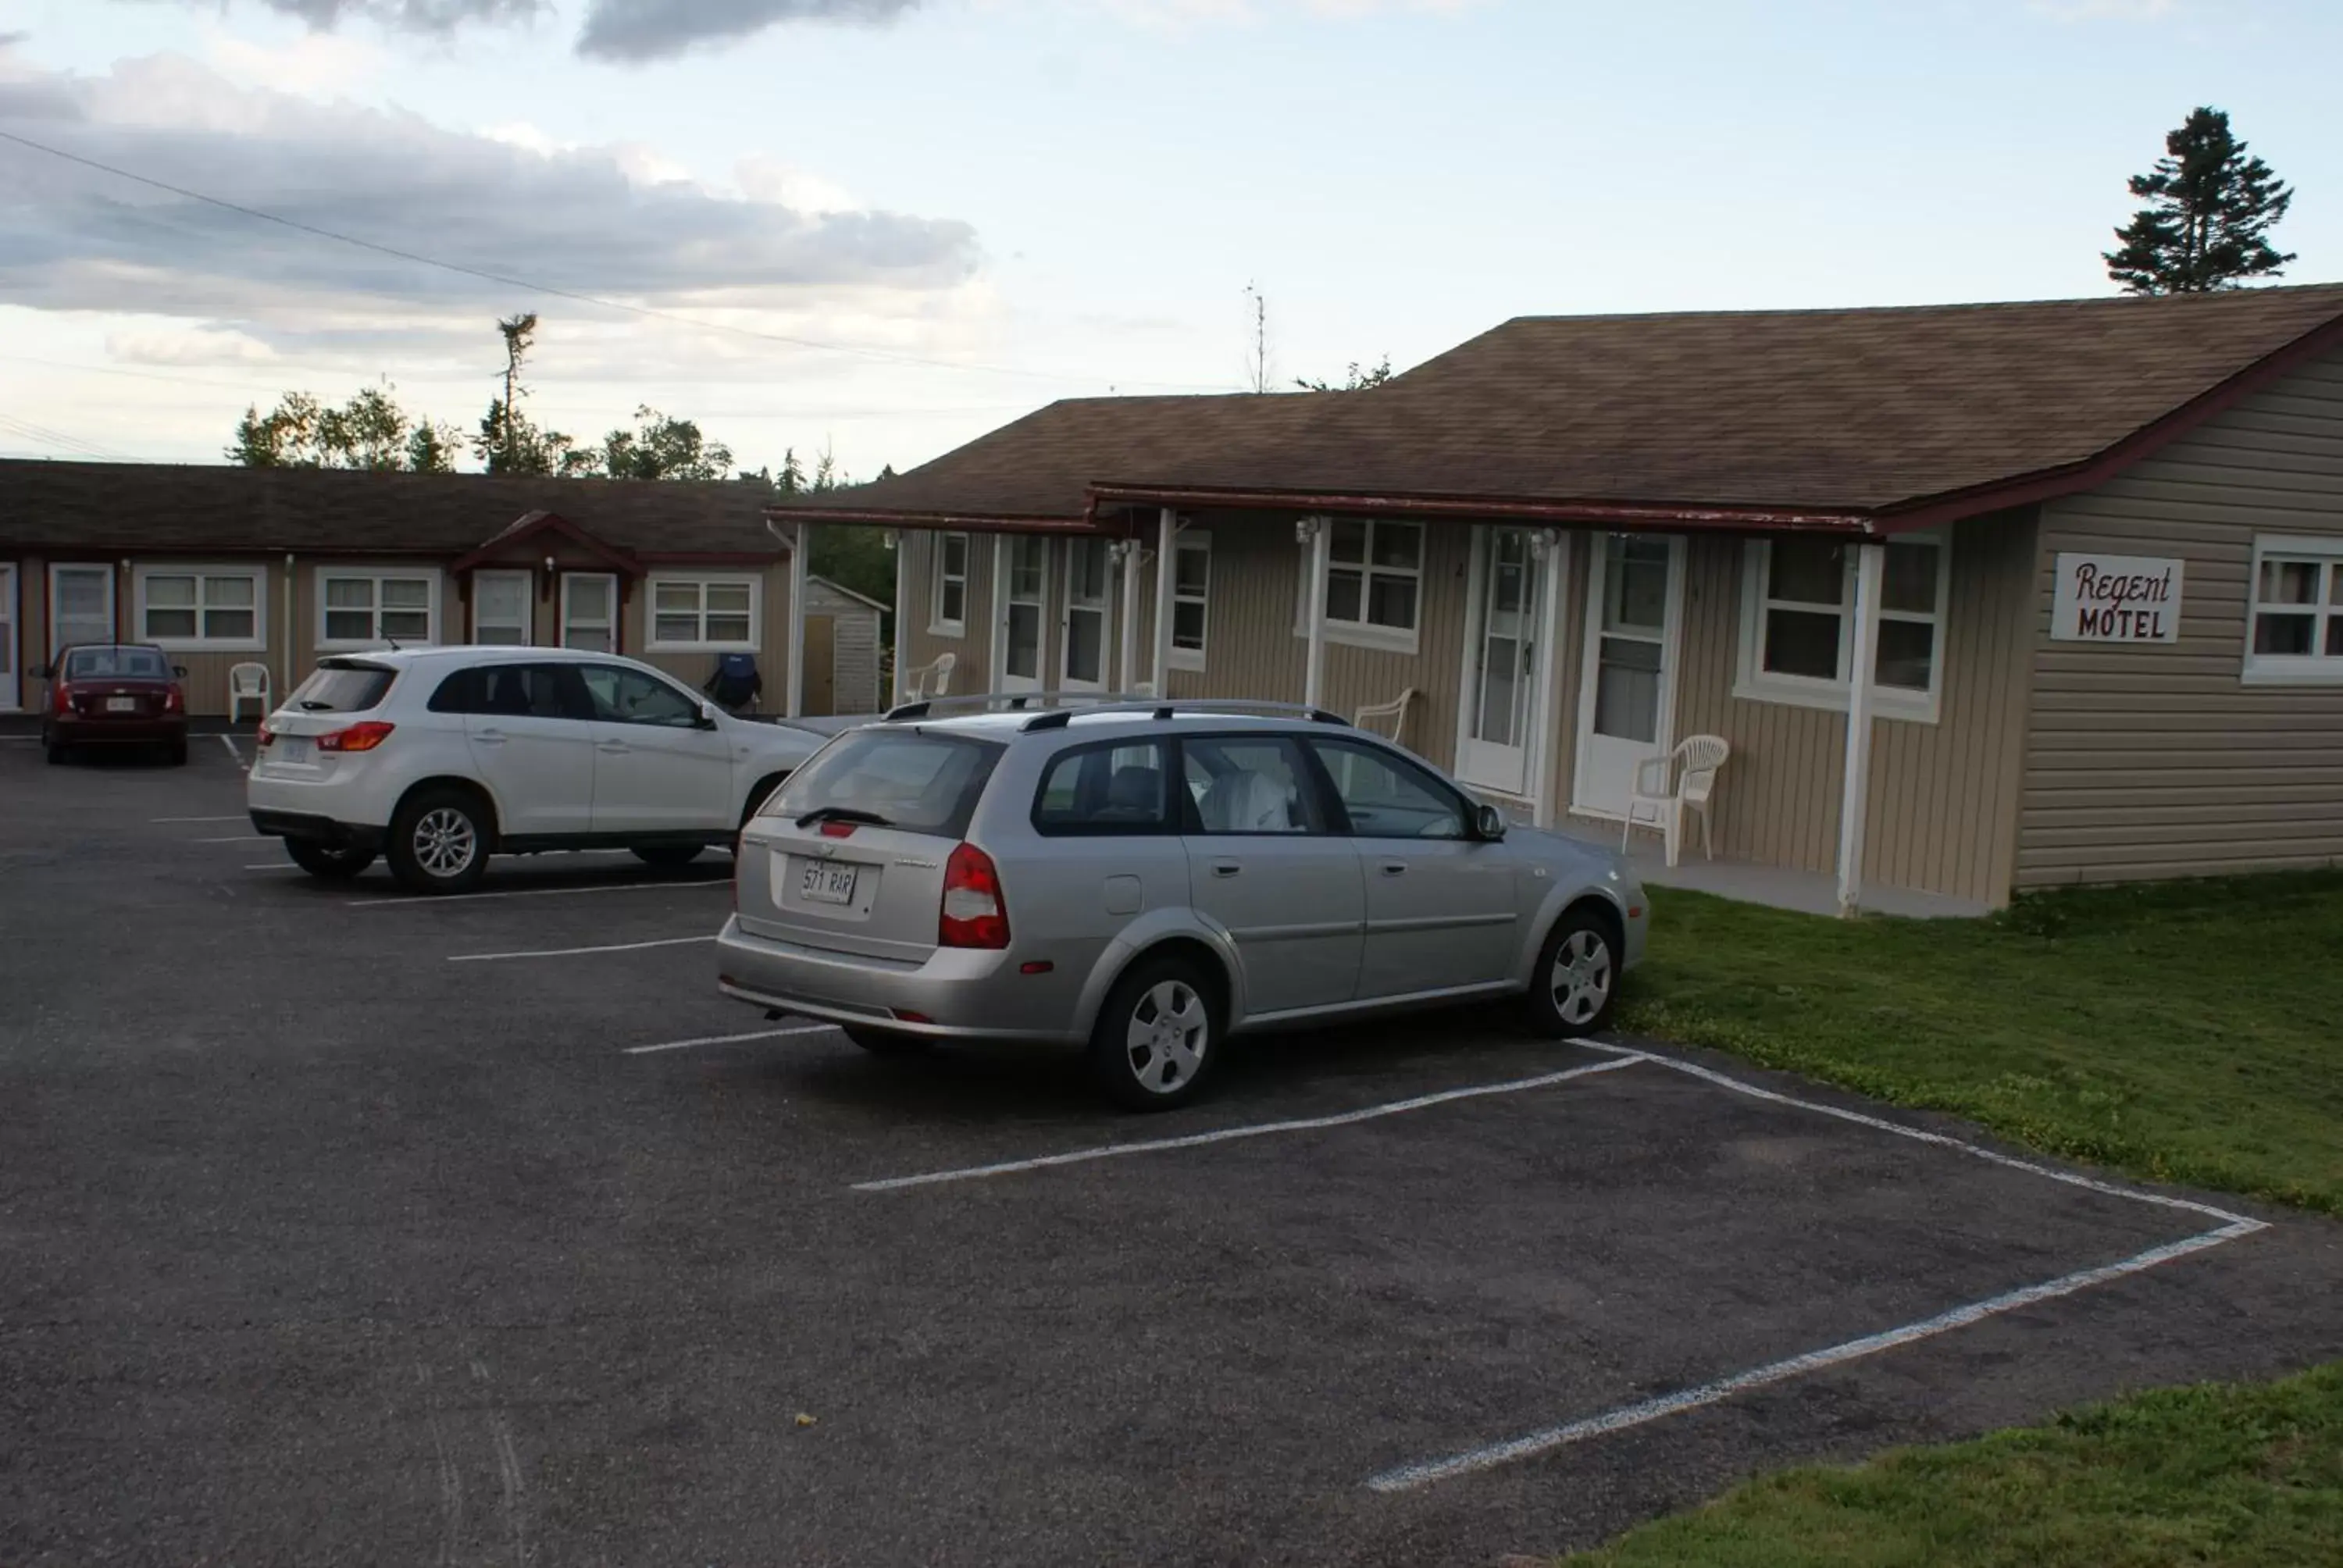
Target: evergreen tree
point(2211, 210)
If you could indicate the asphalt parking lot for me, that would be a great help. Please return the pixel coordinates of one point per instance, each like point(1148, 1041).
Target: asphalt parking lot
point(345, 1227)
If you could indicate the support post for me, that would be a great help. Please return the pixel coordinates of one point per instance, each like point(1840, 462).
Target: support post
point(1314, 532)
point(1167, 534)
point(1127, 673)
point(1855, 802)
point(797, 552)
point(894, 693)
point(1554, 553)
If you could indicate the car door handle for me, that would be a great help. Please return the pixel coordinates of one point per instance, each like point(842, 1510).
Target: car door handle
point(614, 749)
point(1395, 868)
point(1227, 868)
point(490, 737)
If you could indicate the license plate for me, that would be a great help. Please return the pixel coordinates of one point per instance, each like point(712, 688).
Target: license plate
point(294, 748)
point(122, 705)
point(823, 882)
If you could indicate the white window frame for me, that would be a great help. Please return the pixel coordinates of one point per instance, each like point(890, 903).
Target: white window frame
point(1200, 541)
point(607, 627)
point(1752, 682)
point(340, 573)
point(2317, 667)
point(1365, 633)
point(257, 576)
point(702, 642)
point(528, 580)
point(937, 625)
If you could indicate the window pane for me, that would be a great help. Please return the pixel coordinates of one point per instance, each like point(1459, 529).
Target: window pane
point(2334, 585)
point(349, 593)
point(590, 598)
point(234, 593)
point(1188, 626)
point(411, 625)
point(1392, 602)
point(1085, 646)
point(407, 593)
point(350, 625)
point(1342, 591)
point(493, 635)
point(170, 593)
point(1024, 660)
point(1809, 571)
point(1124, 788)
point(630, 697)
point(955, 600)
point(675, 628)
point(2289, 582)
point(727, 629)
point(1636, 584)
point(1399, 545)
point(1385, 798)
point(730, 598)
point(676, 597)
point(1247, 786)
point(1086, 578)
point(170, 622)
point(1627, 690)
point(1908, 580)
point(1349, 542)
point(2286, 636)
point(1799, 642)
point(2335, 633)
point(228, 625)
point(1908, 652)
point(594, 640)
point(955, 555)
point(1193, 571)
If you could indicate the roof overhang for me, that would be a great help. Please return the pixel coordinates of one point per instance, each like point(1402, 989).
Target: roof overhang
point(1619, 515)
point(941, 522)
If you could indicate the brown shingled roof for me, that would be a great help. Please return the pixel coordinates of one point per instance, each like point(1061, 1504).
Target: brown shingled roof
point(1837, 411)
point(157, 507)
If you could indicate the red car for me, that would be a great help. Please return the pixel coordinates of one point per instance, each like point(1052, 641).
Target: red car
point(114, 694)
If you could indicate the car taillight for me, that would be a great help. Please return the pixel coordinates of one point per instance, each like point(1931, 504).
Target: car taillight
point(174, 700)
point(973, 913)
point(268, 737)
point(363, 737)
point(63, 696)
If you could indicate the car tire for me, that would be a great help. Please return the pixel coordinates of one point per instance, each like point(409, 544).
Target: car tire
point(885, 1042)
point(56, 754)
point(667, 856)
point(439, 841)
point(1160, 1036)
point(1574, 989)
point(326, 863)
point(178, 754)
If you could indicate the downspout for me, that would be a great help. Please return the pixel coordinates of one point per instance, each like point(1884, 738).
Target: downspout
point(1315, 533)
point(1126, 681)
point(796, 541)
point(1855, 800)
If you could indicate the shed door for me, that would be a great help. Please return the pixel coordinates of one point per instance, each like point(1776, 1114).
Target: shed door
point(821, 690)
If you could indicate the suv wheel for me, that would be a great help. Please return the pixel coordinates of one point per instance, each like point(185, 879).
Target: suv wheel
point(1158, 1038)
point(1575, 985)
point(667, 856)
point(330, 864)
point(439, 842)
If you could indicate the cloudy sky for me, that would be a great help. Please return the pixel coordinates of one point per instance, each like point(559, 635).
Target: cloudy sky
point(888, 225)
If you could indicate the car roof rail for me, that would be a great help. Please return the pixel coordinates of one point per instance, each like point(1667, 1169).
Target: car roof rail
point(1056, 710)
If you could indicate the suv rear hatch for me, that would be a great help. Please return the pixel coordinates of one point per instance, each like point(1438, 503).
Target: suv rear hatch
point(849, 855)
point(298, 740)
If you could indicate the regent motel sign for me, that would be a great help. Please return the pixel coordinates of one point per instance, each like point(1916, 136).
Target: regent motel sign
point(2116, 599)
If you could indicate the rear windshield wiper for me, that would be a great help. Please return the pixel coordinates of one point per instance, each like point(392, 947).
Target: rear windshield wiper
point(843, 814)
point(311, 705)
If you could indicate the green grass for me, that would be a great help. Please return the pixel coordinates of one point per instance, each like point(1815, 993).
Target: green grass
point(2241, 1476)
point(2189, 1032)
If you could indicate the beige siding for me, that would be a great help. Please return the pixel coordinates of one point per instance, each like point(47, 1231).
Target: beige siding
point(694, 668)
point(2157, 761)
point(924, 646)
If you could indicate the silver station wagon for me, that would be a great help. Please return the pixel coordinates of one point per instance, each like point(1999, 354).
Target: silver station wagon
point(1148, 880)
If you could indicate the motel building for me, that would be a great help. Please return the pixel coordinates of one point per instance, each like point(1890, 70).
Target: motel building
point(1981, 598)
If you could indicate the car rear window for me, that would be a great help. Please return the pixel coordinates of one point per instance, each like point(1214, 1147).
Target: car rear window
point(115, 663)
point(920, 782)
point(344, 685)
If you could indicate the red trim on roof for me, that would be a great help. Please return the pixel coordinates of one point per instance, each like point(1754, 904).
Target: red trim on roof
point(1616, 515)
point(531, 524)
point(939, 522)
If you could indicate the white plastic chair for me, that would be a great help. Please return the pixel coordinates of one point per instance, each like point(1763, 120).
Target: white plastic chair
point(940, 672)
point(1395, 710)
point(1692, 768)
point(248, 683)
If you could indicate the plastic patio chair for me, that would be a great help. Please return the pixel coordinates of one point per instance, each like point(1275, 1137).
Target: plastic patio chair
point(1691, 769)
point(247, 682)
point(1368, 717)
point(941, 672)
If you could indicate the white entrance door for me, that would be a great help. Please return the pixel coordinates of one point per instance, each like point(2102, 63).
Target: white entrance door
point(589, 611)
point(500, 609)
point(1023, 568)
point(1082, 664)
point(1501, 693)
point(12, 694)
point(1626, 703)
point(81, 607)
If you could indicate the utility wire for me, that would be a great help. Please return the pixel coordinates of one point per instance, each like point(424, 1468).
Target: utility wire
point(507, 281)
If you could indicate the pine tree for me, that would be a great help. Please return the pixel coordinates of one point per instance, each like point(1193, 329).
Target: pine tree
point(2212, 208)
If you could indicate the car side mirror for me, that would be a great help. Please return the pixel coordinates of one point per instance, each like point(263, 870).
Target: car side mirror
point(180, 671)
point(1489, 825)
point(707, 719)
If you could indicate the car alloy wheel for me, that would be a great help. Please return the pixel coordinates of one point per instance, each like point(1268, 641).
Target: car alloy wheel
point(1170, 1033)
point(1581, 978)
point(446, 843)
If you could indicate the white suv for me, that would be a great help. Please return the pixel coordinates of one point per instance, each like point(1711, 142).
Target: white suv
point(440, 757)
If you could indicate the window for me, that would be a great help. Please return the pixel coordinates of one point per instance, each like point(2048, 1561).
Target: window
point(1797, 624)
point(917, 782)
point(201, 607)
point(622, 696)
point(1106, 789)
point(1249, 786)
point(721, 614)
point(359, 608)
point(2297, 634)
point(500, 609)
point(1192, 584)
point(1028, 574)
point(343, 685)
point(948, 615)
point(589, 611)
point(514, 692)
point(115, 663)
point(1374, 583)
point(1387, 797)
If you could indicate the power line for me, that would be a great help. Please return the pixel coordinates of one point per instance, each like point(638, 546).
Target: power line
point(507, 281)
point(77, 445)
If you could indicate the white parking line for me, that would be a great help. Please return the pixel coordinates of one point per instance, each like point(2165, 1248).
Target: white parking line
point(577, 953)
point(237, 757)
point(728, 1039)
point(239, 816)
point(1262, 1130)
point(238, 839)
point(389, 903)
point(1409, 1477)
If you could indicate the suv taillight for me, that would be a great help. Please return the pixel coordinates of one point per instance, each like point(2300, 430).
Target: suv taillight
point(268, 737)
point(363, 737)
point(973, 913)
